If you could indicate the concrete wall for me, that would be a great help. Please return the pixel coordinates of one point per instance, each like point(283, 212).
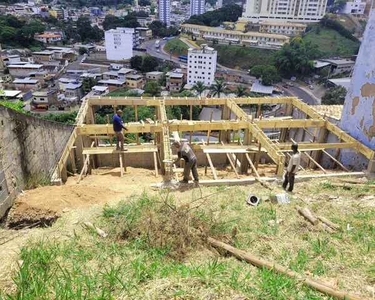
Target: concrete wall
point(358, 116)
point(29, 149)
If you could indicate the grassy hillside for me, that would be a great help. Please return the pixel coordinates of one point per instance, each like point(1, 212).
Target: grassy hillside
point(176, 47)
point(331, 43)
point(243, 57)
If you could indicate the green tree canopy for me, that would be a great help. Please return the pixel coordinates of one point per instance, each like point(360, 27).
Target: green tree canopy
point(334, 95)
point(152, 88)
point(267, 74)
point(296, 58)
point(228, 13)
point(218, 87)
point(199, 87)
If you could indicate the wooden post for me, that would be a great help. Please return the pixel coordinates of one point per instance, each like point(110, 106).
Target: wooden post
point(136, 119)
point(191, 112)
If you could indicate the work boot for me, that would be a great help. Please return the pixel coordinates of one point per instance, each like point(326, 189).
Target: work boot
point(196, 182)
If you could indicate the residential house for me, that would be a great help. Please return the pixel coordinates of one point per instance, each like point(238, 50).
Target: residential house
point(175, 81)
point(135, 81)
point(42, 56)
point(26, 84)
point(155, 75)
point(73, 91)
point(112, 84)
point(44, 99)
point(48, 37)
point(100, 90)
point(23, 70)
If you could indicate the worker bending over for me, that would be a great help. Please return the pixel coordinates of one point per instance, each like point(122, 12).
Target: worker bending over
point(292, 168)
point(118, 126)
point(185, 152)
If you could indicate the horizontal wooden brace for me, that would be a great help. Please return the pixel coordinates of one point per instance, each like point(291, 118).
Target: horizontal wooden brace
point(300, 123)
point(149, 101)
point(342, 135)
point(315, 146)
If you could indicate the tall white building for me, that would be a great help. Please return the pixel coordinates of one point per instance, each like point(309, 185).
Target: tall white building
point(288, 10)
point(201, 65)
point(197, 7)
point(165, 11)
point(119, 43)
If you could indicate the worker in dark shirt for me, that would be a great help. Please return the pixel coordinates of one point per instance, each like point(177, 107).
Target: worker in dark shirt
point(185, 152)
point(118, 126)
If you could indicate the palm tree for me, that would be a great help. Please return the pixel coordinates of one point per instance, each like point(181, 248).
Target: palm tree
point(240, 91)
point(199, 87)
point(218, 87)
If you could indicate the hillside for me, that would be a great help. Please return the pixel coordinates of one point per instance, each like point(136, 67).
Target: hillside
point(330, 42)
point(145, 255)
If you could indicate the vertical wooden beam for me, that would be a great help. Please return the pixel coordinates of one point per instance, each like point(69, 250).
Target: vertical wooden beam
point(156, 165)
point(191, 112)
point(121, 165)
point(136, 119)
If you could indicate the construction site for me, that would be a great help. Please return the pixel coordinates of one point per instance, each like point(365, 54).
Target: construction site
point(81, 219)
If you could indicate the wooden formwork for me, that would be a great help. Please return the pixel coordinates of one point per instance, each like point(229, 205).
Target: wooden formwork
point(253, 138)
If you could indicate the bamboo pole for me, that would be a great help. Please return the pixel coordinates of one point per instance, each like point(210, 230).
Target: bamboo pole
point(261, 263)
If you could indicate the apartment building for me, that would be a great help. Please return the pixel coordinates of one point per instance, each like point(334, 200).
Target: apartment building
point(197, 7)
point(287, 10)
point(165, 11)
point(235, 37)
point(201, 65)
point(119, 43)
point(356, 7)
point(284, 28)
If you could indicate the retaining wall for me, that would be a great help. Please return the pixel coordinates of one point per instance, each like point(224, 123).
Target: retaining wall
point(29, 149)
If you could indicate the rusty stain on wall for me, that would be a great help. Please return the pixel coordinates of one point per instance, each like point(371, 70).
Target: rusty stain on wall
point(354, 104)
point(368, 90)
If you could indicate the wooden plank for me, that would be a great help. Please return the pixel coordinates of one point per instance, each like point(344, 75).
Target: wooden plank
point(315, 162)
point(231, 163)
point(121, 166)
point(156, 165)
point(253, 167)
point(315, 146)
point(224, 151)
point(336, 161)
point(211, 165)
point(342, 135)
point(153, 101)
point(84, 168)
point(304, 123)
point(112, 150)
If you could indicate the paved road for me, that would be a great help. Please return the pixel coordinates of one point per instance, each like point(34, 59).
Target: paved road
point(291, 91)
point(300, 93)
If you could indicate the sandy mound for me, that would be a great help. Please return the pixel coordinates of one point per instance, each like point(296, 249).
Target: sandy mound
point(42, 206)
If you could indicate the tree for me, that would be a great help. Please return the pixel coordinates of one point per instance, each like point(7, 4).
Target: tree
point(82, 50)
point(228, 13)
point(152, 88)
point(218, 87)
point(199, 87)
point(160, 29)
point(334, 95)
point(149, 64)
point(267, 74)
point(144, 2)
point(87, 84)
point(296, 58)
point(87, 32)
point(240, 91)
point(136, 62)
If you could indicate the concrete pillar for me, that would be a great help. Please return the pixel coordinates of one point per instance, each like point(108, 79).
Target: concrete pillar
point(358, 116)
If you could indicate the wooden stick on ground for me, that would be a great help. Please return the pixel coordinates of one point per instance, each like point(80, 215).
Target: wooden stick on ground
point(308, 215)
point(315, 162)
point(329, 223)
point(261, 263)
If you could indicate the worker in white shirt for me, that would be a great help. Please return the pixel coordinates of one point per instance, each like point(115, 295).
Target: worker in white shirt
point(292, 168)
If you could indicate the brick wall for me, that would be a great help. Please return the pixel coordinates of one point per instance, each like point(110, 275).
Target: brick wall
point(29, 148)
